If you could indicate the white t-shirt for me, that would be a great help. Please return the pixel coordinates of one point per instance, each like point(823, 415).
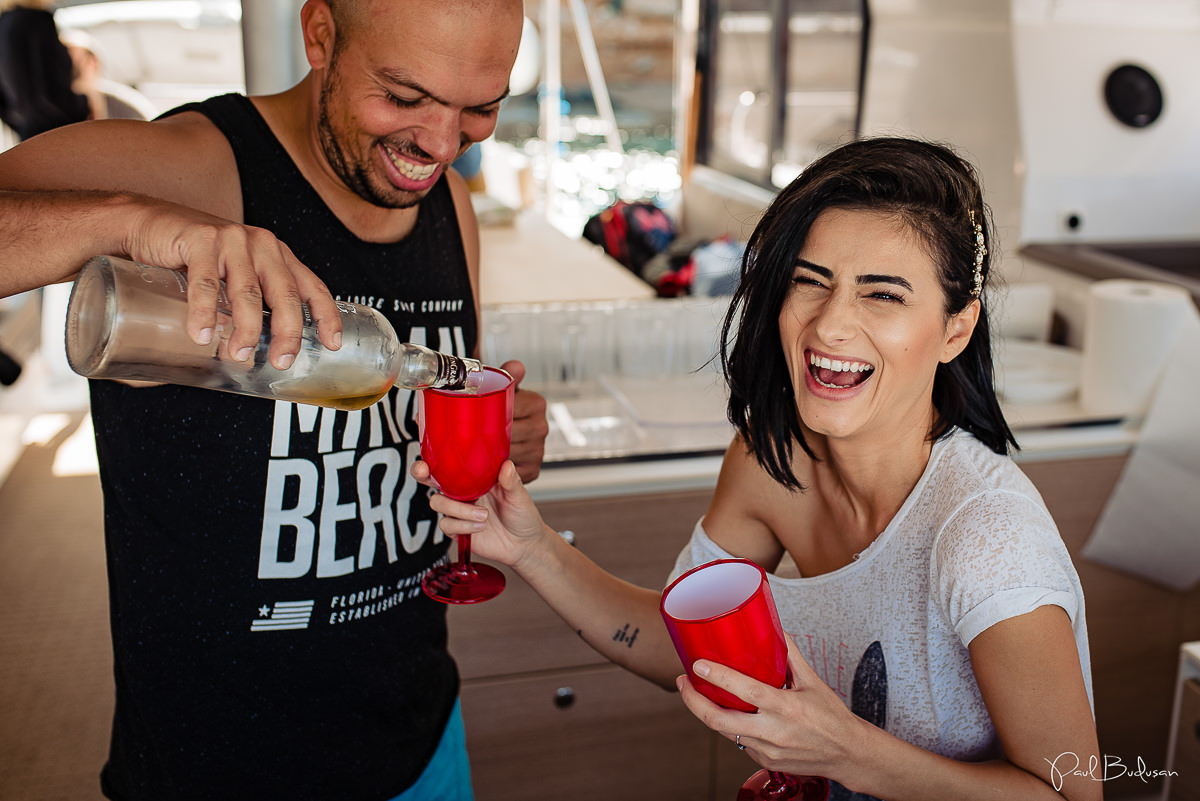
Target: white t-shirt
point(972, 545)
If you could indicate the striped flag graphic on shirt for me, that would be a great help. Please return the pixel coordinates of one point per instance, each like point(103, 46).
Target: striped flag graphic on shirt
point(284, 615)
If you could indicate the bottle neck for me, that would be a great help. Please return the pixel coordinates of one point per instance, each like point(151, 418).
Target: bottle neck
point(456, 372)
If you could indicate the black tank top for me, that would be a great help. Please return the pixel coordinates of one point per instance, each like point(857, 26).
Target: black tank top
point(271, 638)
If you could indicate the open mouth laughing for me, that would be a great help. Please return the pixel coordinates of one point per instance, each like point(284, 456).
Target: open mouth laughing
point(411, 170)
point(838, 374)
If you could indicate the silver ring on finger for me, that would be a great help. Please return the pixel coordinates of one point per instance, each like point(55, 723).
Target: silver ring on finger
point(738, 741)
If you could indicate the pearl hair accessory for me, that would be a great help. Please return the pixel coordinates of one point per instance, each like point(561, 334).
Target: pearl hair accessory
point(980, 252)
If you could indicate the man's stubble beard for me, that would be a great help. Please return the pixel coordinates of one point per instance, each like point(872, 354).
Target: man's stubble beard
point(355, 176)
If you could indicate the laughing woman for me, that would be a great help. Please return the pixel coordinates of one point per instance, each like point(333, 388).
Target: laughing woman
point(938, 648)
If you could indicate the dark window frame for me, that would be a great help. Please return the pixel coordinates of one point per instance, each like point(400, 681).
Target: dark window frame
point(707, 60)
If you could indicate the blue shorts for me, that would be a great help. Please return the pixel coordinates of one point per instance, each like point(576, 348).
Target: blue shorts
point(447, 777)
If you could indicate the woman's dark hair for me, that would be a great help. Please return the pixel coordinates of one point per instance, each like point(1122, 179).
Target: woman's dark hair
point(935, 194)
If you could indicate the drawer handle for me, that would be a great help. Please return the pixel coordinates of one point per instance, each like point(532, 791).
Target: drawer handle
point(564, 697)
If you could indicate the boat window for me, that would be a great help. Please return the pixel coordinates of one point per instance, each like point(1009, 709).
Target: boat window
point(783, 80)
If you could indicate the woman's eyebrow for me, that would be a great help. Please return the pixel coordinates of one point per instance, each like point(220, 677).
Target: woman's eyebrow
point(867, 278)
point(824, 272)
point(876, 278)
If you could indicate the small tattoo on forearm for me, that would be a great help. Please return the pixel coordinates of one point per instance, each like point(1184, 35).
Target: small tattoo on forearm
point(624, 636)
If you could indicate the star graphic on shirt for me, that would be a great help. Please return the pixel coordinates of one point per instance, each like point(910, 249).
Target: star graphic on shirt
point(264, 611)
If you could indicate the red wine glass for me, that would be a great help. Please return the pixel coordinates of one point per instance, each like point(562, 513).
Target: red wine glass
point(723, 611)
point(465, 438)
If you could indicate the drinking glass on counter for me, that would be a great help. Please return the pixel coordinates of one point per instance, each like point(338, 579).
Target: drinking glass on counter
point(648, 340)
point(723, 611)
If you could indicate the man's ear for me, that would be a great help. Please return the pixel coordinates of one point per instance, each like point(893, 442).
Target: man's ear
point(316, 24)
point(959, 330)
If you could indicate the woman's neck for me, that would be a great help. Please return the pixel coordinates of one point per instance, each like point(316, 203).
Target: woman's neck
point(865, 482)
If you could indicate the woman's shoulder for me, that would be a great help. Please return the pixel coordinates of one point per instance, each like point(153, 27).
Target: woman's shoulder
point(977, 499)
point(965, 466)
point(996, 550)
point(746, 504)
point(744, 482)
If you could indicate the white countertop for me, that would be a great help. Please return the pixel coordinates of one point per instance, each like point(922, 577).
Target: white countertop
point(625, 445)
point(531, 261)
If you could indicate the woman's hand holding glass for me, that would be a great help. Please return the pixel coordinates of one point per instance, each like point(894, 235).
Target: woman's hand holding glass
point(723, 613)
point(803, 730)
point(504, 524)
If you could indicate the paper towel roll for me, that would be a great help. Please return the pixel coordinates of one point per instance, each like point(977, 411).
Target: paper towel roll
point(1131, 326)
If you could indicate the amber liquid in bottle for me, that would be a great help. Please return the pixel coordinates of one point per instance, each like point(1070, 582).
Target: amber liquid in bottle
point(127, 321)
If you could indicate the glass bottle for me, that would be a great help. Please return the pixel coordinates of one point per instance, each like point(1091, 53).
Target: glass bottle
point(128, 321)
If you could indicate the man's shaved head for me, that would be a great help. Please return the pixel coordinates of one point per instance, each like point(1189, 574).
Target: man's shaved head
point(349, 15)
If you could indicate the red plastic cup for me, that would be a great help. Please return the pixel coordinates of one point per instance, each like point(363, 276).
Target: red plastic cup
point(465, 439)
point(465, 435)
point(723, 611)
